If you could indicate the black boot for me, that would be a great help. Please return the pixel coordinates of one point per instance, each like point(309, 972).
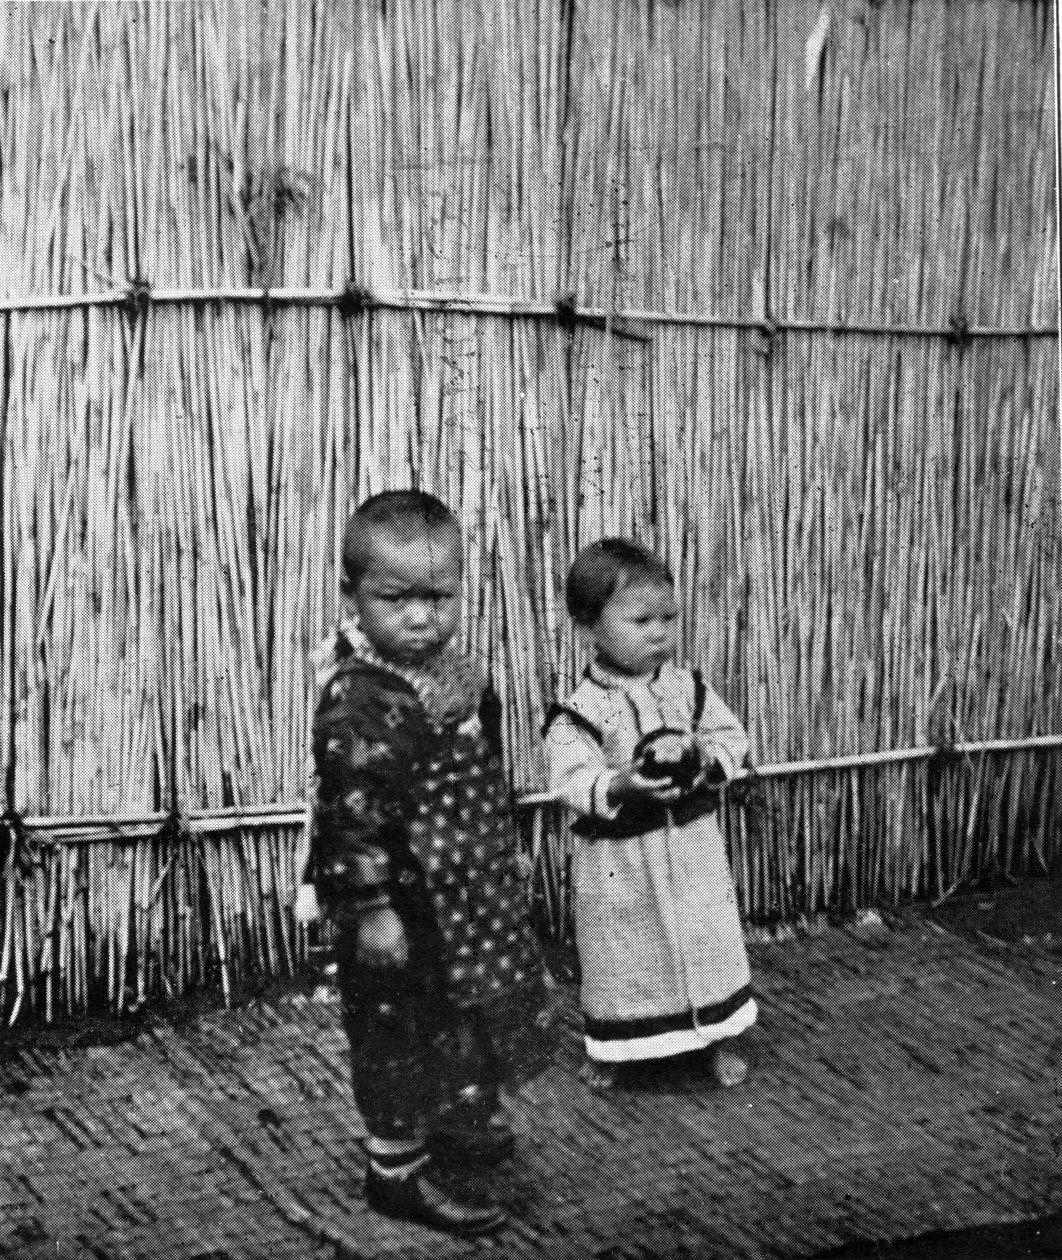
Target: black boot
point(486, 1144)
point(415, 1198)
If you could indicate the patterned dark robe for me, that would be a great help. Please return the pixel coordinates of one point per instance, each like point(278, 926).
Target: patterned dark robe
point(415, 809)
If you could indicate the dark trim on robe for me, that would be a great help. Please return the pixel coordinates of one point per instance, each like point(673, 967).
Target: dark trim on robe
point(653, 1026)
point(584, 724)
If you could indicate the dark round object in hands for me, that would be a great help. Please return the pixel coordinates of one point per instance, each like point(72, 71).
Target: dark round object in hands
point(668, 754)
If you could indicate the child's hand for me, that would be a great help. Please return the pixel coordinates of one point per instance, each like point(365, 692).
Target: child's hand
point(630, 786)
point(306, 908)
point(710, 773)
point(382, 939)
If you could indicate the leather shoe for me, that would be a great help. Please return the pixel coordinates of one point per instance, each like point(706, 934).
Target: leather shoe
point(416, 1198)
point(486, 1144)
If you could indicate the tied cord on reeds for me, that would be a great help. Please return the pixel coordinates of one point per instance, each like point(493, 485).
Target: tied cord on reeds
point(358, 301)
point(841, 431)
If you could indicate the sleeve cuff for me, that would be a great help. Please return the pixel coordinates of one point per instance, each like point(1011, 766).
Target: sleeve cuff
point(371, 899)
point(599, 805)
point(371, 869)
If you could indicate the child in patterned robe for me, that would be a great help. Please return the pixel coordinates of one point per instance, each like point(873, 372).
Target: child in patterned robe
point(414, 856)
point(663, 962)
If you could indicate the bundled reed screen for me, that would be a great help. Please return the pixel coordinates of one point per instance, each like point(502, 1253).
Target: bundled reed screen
point(806, 257)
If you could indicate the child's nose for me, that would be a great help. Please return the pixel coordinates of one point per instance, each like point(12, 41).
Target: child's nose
point(419, 612)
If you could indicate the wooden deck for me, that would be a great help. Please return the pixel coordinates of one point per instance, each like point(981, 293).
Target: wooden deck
point(909, 1081)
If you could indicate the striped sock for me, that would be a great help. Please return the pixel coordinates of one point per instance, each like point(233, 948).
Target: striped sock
point(395, 1161)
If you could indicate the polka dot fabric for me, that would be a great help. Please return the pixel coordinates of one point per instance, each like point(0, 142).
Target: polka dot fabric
point(462, 835)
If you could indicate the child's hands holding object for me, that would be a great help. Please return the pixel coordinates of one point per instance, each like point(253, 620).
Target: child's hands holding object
point(671, 757)
point(667, 766)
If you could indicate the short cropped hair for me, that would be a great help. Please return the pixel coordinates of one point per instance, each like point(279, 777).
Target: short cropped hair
point(403, 515)
point(608, 566)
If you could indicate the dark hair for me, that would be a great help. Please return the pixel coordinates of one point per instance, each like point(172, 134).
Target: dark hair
point(605, 567)
point(404, 515)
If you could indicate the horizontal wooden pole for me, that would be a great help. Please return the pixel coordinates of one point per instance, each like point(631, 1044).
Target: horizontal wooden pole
point(129, 827)
point(860, 761)
point(505, 307)
point(82, 828)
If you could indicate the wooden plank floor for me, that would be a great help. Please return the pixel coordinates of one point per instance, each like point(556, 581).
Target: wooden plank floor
point(909, 1080)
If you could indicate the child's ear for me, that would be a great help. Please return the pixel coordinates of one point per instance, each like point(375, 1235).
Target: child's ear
point(585, 634)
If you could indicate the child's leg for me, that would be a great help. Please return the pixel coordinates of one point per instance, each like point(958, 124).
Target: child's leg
point(391, 1087)
point(728, 1066)
point(470, 1125)
point(397, 1092)
point(599, 1076)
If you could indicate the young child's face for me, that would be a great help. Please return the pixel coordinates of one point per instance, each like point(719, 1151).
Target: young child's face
point(408, 599)
point(636, 628)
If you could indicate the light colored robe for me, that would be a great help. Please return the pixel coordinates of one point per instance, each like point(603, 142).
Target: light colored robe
point(664, 968)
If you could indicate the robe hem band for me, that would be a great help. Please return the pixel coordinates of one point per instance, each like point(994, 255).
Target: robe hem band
point(674, 1041)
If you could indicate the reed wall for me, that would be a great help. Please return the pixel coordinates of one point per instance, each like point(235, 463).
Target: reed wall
point(818, 246)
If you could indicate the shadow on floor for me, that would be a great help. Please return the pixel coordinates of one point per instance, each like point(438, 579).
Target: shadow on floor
point(1026, 1240)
